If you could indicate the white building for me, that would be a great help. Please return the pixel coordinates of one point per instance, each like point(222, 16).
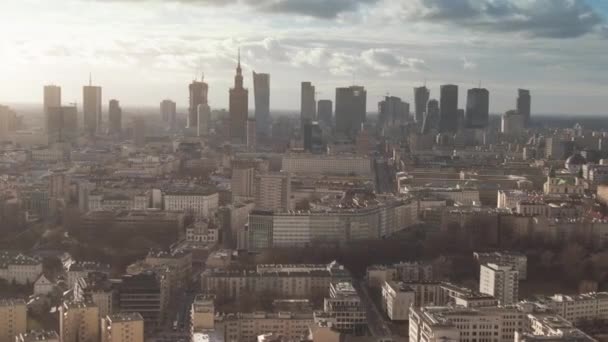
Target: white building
point(200, 203)
point(500, 281)
point(19, 268)
point(397, 299)
point(516, 260)
point(199, 231)
point(327, 164)
point(548, 327)
point(577, 307)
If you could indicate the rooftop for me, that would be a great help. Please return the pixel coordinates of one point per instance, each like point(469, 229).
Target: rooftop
point(125, 317)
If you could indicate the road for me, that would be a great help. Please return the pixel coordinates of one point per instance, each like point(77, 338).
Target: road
point(378, 325)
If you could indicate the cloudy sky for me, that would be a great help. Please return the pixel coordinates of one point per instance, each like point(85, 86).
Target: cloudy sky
point(142, 51)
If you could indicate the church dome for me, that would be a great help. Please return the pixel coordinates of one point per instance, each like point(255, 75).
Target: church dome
point(575, 162)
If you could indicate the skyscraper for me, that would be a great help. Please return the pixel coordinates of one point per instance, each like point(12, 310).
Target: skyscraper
point(392, 112)
point(325, 109)
point(431, 117)
point(251, 134)
point(115, 117)
point(239, 107)
point(62, 124)
point(421, 98)
point(204, 120)
point(261, 91)
point(313, 137)
point(351, 110)
point(91, 108)
point(308, 107)
point(448, 118)
point(198, 96)
point(478, 108)
point(52, 98)
point(139, 131)
point(168, 112)
point(524, 102)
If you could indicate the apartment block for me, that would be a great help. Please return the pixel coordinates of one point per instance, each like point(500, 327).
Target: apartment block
point(397, 298)
point(79, 322)
point(13, 319)
point(500, 281)
point(122, 327)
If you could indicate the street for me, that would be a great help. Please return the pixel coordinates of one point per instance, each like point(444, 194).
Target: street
point(378, 325)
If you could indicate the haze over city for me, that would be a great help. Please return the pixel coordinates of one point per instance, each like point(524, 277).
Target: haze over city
point(140, 51)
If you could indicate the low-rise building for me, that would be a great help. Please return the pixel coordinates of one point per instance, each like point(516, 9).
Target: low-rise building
point(79, 322)
point(397, 299)
point(345, 307)
point(248, 326)
point(122, 327)
point(574, 308)
point(19, 268)
point(200, 231)
point(516, 260)
point(38, 336)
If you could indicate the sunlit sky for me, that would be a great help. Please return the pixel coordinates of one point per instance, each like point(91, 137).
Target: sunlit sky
point(143, 51)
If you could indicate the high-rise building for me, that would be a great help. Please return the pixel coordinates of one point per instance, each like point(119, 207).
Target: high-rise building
point(421, 98)
point(251, 134)
point(91, 108)
point(392, 112)
point(204, 120)
point(313, 137)
point(239, 107)
point(308, 106)
point(448, 118)
point(52, 98)
point(13, 319)
point(146, 292)
point(168, 112)
point(122, 327)
point(62, 124)
point(273, 191)
point(500, 281)
point(478, 108)
point(513, 123)
point(524, 103)
point(114, 117)
point(78, 322)
point(198, 96)
point(431, 117)
point(261, 91)
point(325, 112)
point(351, 110)
point(139, 131)
point(8, 121)
point(242, 183)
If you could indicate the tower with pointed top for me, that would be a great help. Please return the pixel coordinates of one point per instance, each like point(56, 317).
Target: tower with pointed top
point(91, 107)
point(198, 96)
point(239, 107)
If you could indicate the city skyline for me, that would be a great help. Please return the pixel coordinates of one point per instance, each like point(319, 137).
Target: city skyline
point(344, 45)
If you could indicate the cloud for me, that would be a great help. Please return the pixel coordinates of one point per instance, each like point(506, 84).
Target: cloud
point(533, 18)
point(467, 64)
point(389, 62)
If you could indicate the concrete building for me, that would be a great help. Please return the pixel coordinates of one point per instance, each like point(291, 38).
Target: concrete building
point(273, 191)
point(421, 98)
point(52, 99)
point(204, 120)
point(397, 298)
point(431, 118)
point(464, 324)
point(198, 96)
point(248, 326)
point(201, 202)
point(122, 327)
point(200, 232)
point(38, 336)
point(393, 112)
point(91, 108)
point(62, 124)
point(548, 327)
point(415, 271)
point(168, 113)
point(114, 118)
point(147, 293)
point(239, 107)
point(202, 313)
point(345, 307)
point(500, 281)
point(512, 124)
point(579, 307)
point(327, 164)
point(516, 260)
point(13, 319)
point(325, 112)
point(308, 106)
point(19, 268)
point(261, 94)
point(351, 110)
point(524, 102)
point(79, 322)
point(242, 183)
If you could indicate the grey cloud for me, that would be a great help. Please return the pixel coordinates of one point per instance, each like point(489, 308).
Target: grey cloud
point(534, 18)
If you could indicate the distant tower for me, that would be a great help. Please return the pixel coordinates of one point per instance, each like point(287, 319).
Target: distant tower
point(62, 124)
point(198, 96)
point(261, 91)
point(168, 113)
point(139, 131)
point(431, 118)
point(524, 103)
point(91, 107)
point(239, 107)
point(115, 117)
point(325, 112)
point(421, 98)
point(251, 134)
point(204, 120)
point(351, 110)
point(52, 98)
point(448, 118)
point(308, 106)
point(478, 108)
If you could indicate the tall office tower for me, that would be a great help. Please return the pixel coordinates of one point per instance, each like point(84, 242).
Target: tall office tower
point(273, 191)
point(62, 124)
point(252, 139)
point(13, 319)
point(204, 120)
point(313, 137)
point(91, 108)
point(78, 322)
point(421, 98)
point(114, 117)
point(524, 103)
point(139, 131)
point(198, 96)
point(325, 112)
point(239, 107)
point(431, 117)
point(52, 98)
point(351, 110)
point(500, 281)
point(242, 182)
point(308, 106)
point(392, 112)
point(168, 112)
point(448, 109)
point(122, 327)
point(261, 92)
point(478, 108)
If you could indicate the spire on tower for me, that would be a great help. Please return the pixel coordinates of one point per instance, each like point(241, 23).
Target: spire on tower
point(90, 79)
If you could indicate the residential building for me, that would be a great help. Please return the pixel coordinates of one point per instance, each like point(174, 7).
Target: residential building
point(415, 271)
point(122, 327)
point(13, 319)
point(78, 322)
point(273, 191)
point(516, 260)
point(574, 308)
point(500, 281)
point(327, 164)
point(397, 298)
point(19, 268)
point(248, 326)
